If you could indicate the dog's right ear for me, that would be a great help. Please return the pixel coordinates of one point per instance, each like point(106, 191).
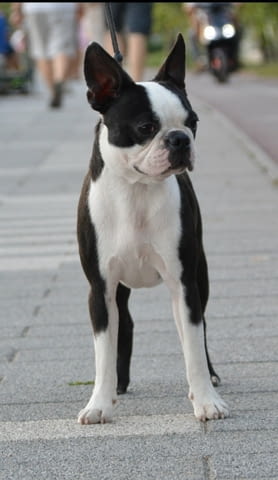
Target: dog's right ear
point(104, 76)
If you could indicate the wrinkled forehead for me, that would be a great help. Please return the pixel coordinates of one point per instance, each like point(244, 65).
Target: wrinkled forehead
point(165, 103)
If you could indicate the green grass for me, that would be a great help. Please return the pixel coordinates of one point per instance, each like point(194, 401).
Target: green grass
point(266, 70)
point(77, 384)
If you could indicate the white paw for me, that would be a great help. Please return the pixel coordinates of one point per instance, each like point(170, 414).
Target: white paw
point(209, 406)
point(94, 413)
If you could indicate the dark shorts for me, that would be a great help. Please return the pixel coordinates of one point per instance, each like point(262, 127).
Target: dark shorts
point(132, 17)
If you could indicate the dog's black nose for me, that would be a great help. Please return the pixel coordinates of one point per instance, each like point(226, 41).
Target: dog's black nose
point(177, 140)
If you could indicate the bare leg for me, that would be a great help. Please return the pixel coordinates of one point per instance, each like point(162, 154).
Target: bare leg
point(53, 73)
point(61, 71)
point(136, 55)
point(61, 68)
point(45, 69)
point(135, 52)
point(108, 43)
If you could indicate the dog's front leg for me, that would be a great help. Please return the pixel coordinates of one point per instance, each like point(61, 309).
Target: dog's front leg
point(206, 401)
point(105, 319)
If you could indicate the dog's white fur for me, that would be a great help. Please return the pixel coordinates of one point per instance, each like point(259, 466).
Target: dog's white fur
point(128, 210)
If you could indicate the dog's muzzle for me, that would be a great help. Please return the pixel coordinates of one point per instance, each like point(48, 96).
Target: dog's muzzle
point(178, 143)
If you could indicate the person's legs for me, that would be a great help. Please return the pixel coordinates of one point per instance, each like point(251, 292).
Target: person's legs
point(133, 24)
point(107, 43)
point(37, 31)
point(61, 64)
point(138, 26)
point(136, 56)
point(62, 48)
point(44, 66)
point(39, 37)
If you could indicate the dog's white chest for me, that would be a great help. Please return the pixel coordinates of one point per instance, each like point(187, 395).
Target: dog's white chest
point(136, 267)
point(137, 228)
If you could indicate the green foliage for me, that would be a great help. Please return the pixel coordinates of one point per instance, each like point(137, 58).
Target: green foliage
point(78, 383)
point(168, 20)
point(262, 21)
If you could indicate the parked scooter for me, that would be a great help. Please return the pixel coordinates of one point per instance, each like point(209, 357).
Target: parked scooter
point(220, 36)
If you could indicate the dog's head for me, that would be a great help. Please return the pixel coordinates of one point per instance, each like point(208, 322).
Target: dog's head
point(147, 128)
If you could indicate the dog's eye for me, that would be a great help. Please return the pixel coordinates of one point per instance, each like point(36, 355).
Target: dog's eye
point(191, 123)
point(146, 128)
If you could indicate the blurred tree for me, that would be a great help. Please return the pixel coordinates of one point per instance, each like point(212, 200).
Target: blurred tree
point(261, 19)
point(168, 21)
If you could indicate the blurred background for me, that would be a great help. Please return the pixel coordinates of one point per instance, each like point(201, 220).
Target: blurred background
point(258, 50)
point(259, 23)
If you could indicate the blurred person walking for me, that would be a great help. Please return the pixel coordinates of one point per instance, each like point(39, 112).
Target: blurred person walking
point(90, 29)
point(133, 22)
point(52, 36)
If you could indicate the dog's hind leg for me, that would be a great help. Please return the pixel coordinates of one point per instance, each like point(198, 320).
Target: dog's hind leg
point(125, 339)
point(213, 375)
point(203, 285)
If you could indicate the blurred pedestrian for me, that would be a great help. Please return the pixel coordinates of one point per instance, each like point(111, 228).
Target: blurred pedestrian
point(133, 23)
point(92, 23)
point(90, 29)
point(52, 35)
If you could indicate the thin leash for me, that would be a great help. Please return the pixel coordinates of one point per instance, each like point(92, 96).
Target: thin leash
point(110, 20)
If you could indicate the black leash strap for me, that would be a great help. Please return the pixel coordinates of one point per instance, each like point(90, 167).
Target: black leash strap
point(110, 21)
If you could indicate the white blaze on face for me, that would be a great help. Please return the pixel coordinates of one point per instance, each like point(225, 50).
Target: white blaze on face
point(166, 105)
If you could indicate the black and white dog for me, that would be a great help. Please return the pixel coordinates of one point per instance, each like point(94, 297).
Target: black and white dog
point(139, 224)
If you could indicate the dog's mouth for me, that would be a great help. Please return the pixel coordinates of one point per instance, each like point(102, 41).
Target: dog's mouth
point(171, 170)
point(171, 157)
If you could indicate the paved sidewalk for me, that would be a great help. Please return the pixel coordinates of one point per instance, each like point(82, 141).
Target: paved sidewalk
point(46, 348)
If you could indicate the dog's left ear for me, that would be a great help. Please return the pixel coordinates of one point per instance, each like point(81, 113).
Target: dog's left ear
point(173, 68)
point(104, 76)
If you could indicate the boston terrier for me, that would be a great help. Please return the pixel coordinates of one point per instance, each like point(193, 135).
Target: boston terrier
point(139, 224)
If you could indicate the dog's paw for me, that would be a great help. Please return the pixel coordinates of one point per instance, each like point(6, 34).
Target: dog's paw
point(96, 414)
point(209, 406)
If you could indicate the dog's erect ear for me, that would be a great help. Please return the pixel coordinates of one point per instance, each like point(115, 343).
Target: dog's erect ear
point(173, 68)
point(104, 76)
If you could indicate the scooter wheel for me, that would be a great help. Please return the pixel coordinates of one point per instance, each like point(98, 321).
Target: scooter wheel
point(219, 65)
